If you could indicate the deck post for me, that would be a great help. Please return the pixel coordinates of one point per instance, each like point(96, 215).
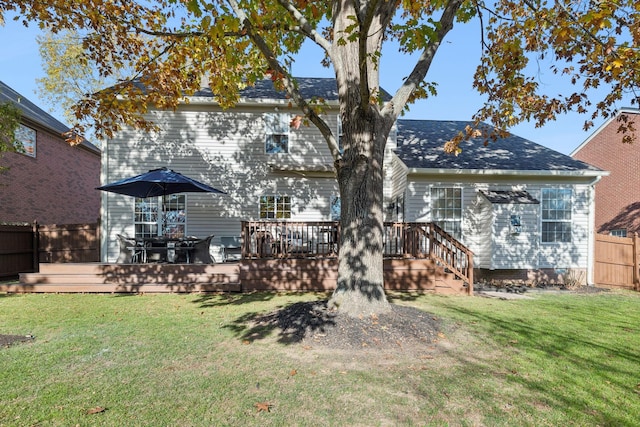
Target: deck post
point(36, 247)
point(470, 272)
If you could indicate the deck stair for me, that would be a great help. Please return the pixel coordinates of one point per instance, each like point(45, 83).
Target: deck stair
point(129, 278)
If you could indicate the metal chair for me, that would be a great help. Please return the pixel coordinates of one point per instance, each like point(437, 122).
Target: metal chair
point(130, 250)
point(202, 251)
point(231, 248)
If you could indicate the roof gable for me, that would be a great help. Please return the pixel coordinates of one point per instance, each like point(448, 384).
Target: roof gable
point(421, 146)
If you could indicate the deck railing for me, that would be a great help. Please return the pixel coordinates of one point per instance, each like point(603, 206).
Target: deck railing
point(321, 239)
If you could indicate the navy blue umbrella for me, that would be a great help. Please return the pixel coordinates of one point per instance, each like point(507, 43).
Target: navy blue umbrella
point(158, 182)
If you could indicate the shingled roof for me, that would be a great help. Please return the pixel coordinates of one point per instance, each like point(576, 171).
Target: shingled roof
point(310, 87)
point(421, 146)
point(32, 112)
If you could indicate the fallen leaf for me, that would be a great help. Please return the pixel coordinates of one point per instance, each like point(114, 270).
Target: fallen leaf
point(441, 335)
point(293, 372)
point(246, 342)
point(96, 410)
point(263, 406)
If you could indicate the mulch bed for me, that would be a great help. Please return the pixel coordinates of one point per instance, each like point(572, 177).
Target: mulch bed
point(313, 324)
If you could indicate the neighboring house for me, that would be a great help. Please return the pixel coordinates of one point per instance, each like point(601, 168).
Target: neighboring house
point(524, 210)
point(617, 195)
point(49, 181)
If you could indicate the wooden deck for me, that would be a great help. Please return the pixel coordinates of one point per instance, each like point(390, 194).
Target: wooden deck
point(421, 275)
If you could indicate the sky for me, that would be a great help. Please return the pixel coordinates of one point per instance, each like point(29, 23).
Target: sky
point(452, 69)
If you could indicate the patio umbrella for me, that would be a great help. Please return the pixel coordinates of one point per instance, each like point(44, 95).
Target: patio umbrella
point(158, 182)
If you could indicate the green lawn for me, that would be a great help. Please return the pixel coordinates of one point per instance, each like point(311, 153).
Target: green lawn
point(186, 360)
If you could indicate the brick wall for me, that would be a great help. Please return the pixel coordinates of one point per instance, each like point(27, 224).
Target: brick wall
point(617, 195)
point(56, 187)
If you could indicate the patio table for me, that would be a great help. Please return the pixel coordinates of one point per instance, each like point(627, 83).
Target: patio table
point(169, 247)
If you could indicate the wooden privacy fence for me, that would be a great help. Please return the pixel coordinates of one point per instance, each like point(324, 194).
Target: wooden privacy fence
point(24, 247)
point(617, 262)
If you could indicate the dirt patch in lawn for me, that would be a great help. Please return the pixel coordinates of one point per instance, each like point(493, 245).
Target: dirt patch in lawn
point(7, 340)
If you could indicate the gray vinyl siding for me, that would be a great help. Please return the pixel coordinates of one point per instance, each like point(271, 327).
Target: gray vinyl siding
point(486, 231)
point(225, 149)
point(480, 230)
point(573, 254)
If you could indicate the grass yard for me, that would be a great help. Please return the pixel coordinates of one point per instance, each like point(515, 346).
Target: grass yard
point(194, 360)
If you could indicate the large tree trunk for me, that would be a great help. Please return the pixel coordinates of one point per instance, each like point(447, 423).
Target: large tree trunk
point(360, 289)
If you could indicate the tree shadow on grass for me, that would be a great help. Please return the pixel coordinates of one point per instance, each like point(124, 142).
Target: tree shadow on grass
point(293, 323)
point(225, 299)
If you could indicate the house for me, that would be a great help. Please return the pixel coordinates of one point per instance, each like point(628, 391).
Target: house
point(617, 195)
point(524, 210)
point(49, 181)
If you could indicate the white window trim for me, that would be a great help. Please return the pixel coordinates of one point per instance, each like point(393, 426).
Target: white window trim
point(275, 212)
point(160, 221)
point(431, 207)
point(277, 124)
point(569, 221)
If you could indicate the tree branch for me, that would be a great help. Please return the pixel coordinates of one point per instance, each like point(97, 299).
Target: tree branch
point(287, 81)
point(305, 26)
point(393, 108)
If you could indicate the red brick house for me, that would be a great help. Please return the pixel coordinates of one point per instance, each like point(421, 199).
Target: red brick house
point(617, 204)
point(51, 181)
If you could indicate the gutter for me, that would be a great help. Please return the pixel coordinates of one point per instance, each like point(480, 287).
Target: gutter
point(508, 172)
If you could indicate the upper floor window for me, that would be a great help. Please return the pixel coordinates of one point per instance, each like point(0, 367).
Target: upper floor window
point(26, 140)
point(275, 207)
point(161, 216)
point(556, 215)
point(446, 210)
point(277, 133)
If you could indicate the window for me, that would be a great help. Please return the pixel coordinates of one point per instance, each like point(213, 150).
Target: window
point(335, 208)
point(277, 133)
point(620, 232)
point(556, 215)
point(149, 219)
point(446, 210)
point(275, 207)
point(26, 140)
point(175, 215)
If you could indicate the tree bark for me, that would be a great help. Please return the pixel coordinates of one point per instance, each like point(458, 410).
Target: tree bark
point(360, 287)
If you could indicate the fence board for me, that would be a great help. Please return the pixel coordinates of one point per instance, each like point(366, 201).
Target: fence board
point(616, 261)
point(22, 248)
point(16, 250)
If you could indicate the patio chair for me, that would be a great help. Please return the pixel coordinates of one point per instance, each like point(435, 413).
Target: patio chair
point(298, 243)
point(231, 248)
point(155, 250)
point(130, 250)
point(202, 252)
